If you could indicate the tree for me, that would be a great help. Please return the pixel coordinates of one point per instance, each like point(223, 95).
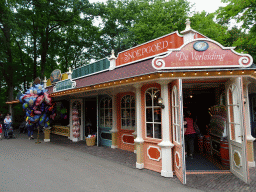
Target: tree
point(127, 23)
point(48, 18)
point(241, 11)
point(8, 66)
point(154, 19)
point(30, 35)
point(205, 24)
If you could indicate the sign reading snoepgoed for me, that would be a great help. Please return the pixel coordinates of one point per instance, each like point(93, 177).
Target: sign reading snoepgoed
point(202, 53)
point(149, 49)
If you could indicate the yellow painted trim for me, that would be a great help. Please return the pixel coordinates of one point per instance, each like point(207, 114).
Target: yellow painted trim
point(64, 76)
point(48, 83)
point(156, 76)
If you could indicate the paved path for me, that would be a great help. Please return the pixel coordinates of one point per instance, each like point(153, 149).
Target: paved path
point(62, 165)
point(29, 167)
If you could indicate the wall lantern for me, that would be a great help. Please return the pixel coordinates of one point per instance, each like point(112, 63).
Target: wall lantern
point(160, 102)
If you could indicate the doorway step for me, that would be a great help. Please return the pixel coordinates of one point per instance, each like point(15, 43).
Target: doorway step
point(204, 162)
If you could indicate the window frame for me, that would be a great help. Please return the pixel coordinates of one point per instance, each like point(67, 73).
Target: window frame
point(106, 112)
point(175, 110)
point(234, 118)
point(131, 118)
point(153, 109)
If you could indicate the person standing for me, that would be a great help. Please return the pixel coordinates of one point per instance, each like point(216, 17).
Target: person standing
point(190, 134)
point(7, 123)
point(30, 128)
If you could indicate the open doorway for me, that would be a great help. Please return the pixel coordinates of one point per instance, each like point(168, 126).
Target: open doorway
point(90, 116)
point(198, 98)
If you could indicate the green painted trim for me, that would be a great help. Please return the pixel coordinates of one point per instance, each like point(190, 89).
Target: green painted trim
point(92, 68)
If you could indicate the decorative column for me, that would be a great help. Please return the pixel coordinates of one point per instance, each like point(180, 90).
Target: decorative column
point(47, 133)
point(135, 136)
point(139, 140)
point(166, 145)
point(114, 123)
point(249, 137)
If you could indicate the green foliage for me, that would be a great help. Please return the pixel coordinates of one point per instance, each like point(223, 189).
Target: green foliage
point(38, 36)
point(204, 23)
point(127, 23)
point(154, 19)
point(243, 11)
point(240, 10)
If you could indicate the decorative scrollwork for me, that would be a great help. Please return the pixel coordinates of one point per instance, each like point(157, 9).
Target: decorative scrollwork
point(237, 159)
point(244, 61)
point(159, 63)
point(177, 160)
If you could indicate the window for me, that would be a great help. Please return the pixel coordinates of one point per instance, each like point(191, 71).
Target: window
point(128, 112)
point(153, 114)
point(175, 122)
point(106, 112)
point(234, 114)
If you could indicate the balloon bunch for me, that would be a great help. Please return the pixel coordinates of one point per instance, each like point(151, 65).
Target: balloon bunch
point(38, 106)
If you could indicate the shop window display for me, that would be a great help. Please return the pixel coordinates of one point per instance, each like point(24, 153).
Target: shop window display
point(106, 112)
point(62, 111)
point(128, 112)
point(153, 114)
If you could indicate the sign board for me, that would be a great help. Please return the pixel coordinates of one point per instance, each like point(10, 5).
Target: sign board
point(64, 85)
point(150, 49)
point(202, 53)
point(55, 76)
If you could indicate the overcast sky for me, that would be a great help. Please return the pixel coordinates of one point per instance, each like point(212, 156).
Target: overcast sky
point(208, 5)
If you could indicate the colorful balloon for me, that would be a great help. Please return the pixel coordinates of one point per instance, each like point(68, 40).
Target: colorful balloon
point(37, 104)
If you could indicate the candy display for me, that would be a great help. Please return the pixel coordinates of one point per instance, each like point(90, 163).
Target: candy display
point(218, 120)
point(75, 123)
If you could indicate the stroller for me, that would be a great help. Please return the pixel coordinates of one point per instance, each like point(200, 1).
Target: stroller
point(8, 129)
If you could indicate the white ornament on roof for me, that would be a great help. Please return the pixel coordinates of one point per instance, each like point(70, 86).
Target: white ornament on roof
point(112, 55)
point(112, 60)
point(187, 24)
point(69, 73)
point(45, 82)
point(188, 32)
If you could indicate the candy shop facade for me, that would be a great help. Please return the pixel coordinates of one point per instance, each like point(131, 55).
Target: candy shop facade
point(136, 102)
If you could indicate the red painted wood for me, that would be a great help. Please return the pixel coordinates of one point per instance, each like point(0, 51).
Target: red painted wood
point(150, 49)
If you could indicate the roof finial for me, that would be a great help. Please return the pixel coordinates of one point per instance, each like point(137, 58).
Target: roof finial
point(112, 54)
point(187, 24)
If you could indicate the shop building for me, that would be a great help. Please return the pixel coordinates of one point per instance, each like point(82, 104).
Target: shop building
point(136, 102)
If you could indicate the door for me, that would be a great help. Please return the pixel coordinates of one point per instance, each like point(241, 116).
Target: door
point(126, 120)
point(105, 121)
point(237, 129)
point(178, 130)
